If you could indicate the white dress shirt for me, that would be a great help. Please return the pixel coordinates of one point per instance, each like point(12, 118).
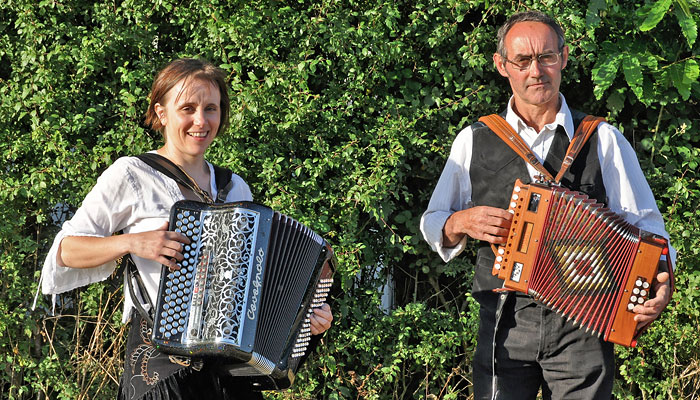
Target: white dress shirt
point(129, 196)
point(626, 187)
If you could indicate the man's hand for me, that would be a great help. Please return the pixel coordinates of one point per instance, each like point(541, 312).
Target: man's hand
point(482, 223)
point(651, 309)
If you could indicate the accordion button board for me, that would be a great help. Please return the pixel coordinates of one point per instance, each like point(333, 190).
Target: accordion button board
point(578, 258)
point(245, 290)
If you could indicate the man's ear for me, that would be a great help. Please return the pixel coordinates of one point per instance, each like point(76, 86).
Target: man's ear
point(499, 62)
point(564, 56)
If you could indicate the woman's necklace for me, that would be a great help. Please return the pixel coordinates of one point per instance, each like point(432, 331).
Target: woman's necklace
point(204, 195)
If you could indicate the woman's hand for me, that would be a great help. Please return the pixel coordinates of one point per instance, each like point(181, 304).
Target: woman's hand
point(321, 319)
point(159, 245)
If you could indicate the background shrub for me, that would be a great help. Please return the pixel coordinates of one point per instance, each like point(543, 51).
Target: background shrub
point(343, 113)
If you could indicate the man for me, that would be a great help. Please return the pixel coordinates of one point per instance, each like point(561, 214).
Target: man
point(523, 346)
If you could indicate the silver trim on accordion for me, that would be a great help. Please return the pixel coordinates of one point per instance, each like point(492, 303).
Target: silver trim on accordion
point(244, 292)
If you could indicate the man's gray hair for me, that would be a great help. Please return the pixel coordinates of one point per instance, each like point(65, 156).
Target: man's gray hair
point(528, 16)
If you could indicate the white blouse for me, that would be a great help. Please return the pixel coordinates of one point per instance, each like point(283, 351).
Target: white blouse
point(129, 196)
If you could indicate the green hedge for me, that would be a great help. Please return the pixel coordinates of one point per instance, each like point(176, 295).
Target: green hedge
point(343, 113)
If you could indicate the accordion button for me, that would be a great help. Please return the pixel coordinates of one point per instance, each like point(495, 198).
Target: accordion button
point(517, 189)
point(166, 334)
point(635, 290)
point(501, 251)
point(638, 283)
point(515, 197)
point(630, 306)
point(512, 204)
point(643, 293)
point(499, 258)
point(640, 300)
point(633, 299)
point(645, 285)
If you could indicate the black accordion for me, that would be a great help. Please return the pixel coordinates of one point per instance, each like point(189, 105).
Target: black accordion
point(244, 292)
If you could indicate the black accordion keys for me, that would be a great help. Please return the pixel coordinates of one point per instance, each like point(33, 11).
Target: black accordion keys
point(244, 292)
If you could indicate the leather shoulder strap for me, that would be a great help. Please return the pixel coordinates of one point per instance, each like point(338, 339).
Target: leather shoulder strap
point(583, 133)
point(222, 176)
point(506, 132)
point(174, 172)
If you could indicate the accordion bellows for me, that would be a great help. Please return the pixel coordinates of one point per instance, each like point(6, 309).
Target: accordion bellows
point(578, 258)
point(244, 292)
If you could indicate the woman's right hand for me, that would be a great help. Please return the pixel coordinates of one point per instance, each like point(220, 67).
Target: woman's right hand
point(160, 245)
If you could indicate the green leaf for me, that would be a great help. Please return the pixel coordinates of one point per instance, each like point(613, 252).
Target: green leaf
point(683, 75)
point(632, 69)
point(592, 13)
point(606, 68)
point(685, 19)
point(654, 15)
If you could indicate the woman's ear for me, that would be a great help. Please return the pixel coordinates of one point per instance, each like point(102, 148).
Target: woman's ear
point(160, 112)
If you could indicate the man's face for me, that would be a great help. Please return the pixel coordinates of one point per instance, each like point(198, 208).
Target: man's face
point(537, 85)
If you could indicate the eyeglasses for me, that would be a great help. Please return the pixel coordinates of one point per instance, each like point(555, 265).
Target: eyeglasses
point(546, 60)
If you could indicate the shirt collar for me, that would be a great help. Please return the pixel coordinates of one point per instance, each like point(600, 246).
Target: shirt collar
point(562, 118)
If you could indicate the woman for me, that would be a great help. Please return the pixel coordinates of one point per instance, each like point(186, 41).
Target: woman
point(189, 105)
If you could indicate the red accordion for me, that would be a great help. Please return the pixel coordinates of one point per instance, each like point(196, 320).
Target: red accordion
point(578, 258)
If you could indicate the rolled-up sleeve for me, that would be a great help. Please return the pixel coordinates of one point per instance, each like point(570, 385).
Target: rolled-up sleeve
point(104, 210)
point(452, 193)
point(626, 187)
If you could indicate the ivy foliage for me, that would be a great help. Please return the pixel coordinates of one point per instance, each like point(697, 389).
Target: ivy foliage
point(343, 113)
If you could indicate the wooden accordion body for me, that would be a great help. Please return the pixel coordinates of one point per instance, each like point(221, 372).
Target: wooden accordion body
point(578, 258)
point(244, 292)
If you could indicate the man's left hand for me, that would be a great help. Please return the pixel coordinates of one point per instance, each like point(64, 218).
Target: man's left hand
point(651, 309)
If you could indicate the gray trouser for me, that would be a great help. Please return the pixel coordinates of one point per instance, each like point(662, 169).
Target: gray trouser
point(537, 348)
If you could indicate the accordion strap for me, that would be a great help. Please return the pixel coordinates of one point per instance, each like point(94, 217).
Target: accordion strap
point(222, 176)
point(132, 273)
point(583, 133)
point(506, 132)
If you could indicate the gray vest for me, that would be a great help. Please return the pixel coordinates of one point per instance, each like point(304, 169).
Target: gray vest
point(493, 171)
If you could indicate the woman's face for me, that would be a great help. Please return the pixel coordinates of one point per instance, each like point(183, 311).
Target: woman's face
point(190, 116)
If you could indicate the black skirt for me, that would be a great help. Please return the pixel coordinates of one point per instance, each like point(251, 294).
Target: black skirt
point(150, 374)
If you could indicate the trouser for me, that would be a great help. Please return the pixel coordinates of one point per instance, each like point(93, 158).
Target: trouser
point(531, 347)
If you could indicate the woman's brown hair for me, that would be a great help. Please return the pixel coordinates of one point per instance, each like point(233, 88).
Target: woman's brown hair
point(185, 69)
